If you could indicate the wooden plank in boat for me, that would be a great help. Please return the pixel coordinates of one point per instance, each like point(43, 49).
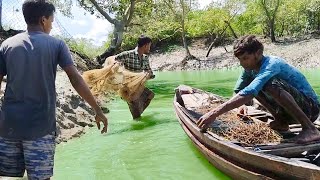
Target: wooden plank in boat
point(189, 100)
point(297, 127)
point(301, 159)
point(292, 151)
point(216, 136)
point(201, 96)
point(283, 145)
point(317, 122)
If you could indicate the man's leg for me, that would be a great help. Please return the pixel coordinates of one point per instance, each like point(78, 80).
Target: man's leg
point(148, 96)
point(11, 158)
point(294, 103)
point(39, 157)
point(138, 106)
point(281, 119)
point(134, 109)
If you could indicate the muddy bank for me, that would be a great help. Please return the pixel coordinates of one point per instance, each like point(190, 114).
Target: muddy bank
point(300, 53)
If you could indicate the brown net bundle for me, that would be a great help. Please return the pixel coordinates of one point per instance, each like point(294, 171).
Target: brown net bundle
point(246, 131)
point(133, 85)
point(248, 134)
point(114, 78)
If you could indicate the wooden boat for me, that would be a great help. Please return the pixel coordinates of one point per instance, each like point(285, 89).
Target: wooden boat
point(278, 161)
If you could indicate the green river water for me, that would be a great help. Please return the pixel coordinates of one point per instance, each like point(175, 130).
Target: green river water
point(155, 147)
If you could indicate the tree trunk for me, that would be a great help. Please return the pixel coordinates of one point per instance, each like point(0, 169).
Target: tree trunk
point(117, 35)
point(184, 40)
point(118, 31)
point(115, 43)
point(282, 29)
point(183, 33)
point(271, 17)
point(272, 34)
point(232, 31)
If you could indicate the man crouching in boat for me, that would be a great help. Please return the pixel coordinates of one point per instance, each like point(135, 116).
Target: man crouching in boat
point(281, 88)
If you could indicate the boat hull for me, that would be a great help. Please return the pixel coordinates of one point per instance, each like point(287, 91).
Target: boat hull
point(238, 162)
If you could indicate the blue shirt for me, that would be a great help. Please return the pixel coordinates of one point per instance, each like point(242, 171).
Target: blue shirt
point(251, 83)
point(30, 62)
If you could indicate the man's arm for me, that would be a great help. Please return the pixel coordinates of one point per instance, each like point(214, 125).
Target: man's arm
point(243, 80)
point(146, 67)
point(83, 90)
point(234, 102)
point(121, 57)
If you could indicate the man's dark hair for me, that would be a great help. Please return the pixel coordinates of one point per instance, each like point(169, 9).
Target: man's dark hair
point(248, 43)
point(33, 10)
point(143, 40)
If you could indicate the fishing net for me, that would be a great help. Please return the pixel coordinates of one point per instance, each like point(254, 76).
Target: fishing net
point(244, 130)
point(115, 79)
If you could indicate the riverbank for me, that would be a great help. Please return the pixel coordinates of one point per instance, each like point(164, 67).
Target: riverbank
point(302, 53)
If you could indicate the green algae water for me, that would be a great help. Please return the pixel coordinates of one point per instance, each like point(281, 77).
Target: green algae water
point(155, 147)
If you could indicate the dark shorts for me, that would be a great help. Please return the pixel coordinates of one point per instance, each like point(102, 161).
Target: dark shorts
point(36, 156)
point(138, 106)
point(308, 105)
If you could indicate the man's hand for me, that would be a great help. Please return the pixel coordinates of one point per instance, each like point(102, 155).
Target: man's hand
point(205, 120)
point(150, 75)
point(243, 110)
point(100, 117)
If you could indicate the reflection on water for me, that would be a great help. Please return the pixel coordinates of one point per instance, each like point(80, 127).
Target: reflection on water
point(155, 147)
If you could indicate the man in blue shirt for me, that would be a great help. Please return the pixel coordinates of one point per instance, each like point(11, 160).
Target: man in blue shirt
point(278, 86)
point(28, 113)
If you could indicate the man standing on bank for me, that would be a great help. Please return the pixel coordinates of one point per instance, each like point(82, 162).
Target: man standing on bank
point(136, 60)
point(28, 113)
point(281, 88)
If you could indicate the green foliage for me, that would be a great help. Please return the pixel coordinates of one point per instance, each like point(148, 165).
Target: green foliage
point(85, 46)
point(292, 19)
point(64, 6)
point(250, 21)
point(162, 21)
point(206, 23)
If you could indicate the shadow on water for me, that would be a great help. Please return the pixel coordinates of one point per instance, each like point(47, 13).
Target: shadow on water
point(144, 122)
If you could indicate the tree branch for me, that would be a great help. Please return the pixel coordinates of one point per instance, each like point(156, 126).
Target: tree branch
point(102, 12)
point(169, 4)
point(275, 10)
point(264, 5)
point(129, 12)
